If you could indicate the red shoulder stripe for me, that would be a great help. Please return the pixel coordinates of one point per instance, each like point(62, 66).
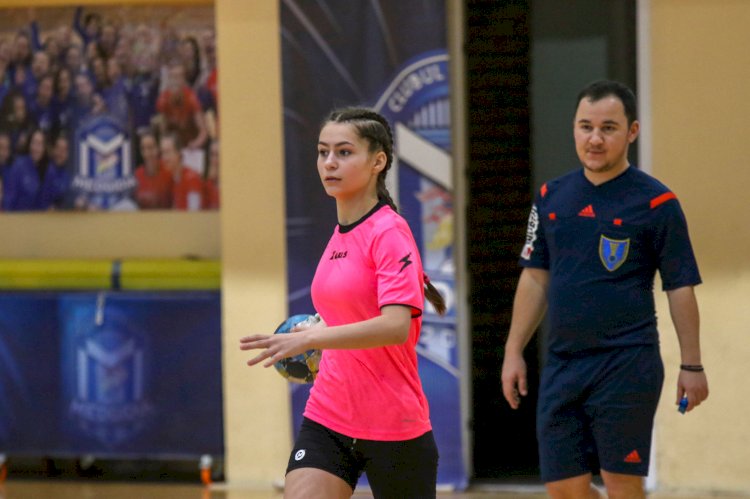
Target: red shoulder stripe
point(662, 199)
point(543, 190)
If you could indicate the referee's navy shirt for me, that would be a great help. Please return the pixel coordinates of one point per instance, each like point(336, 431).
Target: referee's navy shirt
point(602, 246)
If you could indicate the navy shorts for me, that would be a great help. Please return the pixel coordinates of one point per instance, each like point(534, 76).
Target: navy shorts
point(395, 470)
point(596, 412)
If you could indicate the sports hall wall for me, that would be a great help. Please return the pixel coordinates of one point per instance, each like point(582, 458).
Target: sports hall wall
point(698, 76)
point(247, 234)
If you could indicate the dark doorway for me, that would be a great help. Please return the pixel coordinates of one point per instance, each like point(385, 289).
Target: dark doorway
point(521, 90)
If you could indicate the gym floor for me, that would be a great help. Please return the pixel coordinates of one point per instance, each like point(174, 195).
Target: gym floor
point(86, 489)
point(69, 479)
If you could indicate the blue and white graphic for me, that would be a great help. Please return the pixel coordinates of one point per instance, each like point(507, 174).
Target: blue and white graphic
point(390, 56)
point(104, 178)
point(110, 402)
point(417, 104)
point(86, 381)
point(107, 372)
point(141, 374)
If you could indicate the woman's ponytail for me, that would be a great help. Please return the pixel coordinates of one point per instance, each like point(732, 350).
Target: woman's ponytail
point(434, 296)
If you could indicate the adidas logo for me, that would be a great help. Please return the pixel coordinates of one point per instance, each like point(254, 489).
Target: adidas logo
point(587, 212)
point(633, 457)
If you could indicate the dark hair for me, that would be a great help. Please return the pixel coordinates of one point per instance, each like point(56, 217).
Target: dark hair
point(174, 138)
point(91, 16)
point(56, 80)
point(192, 78)
point(26, 61)
point(59, 134)
point(141, 135)
point(374, 128)
point(600, 89)
point(7, 136)
point(43, 162)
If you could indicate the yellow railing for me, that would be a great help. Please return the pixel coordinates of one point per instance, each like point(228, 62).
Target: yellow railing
point(127, 274)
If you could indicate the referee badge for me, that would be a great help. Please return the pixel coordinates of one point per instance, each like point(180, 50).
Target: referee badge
point(613, 252)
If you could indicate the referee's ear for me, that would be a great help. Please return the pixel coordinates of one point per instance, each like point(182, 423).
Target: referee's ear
point(633, 131)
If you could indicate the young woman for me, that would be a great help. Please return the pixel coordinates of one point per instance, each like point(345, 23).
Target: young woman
point(22, 182)
point(367, 411)
point(155, 182)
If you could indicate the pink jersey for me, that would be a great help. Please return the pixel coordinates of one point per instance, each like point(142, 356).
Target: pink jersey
point(374, 393)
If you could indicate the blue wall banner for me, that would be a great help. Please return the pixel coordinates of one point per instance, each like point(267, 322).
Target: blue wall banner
point(29, 373)
point(116, 374)
point(390, 56)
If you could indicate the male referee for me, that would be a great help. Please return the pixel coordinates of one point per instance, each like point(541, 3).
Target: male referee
point(596, 237)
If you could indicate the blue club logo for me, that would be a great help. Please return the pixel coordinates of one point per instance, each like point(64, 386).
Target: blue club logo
point(613, 252)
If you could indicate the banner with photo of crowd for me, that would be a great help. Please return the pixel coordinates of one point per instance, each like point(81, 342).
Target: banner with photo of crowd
point(108, 108)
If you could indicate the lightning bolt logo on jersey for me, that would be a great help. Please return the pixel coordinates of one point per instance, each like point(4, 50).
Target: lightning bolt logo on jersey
point(382, 268)
point(406, 262)
point(371, 263)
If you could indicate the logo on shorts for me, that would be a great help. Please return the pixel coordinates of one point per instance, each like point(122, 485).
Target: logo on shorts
point(613, 252)
point(299, 455)
point(633, 458)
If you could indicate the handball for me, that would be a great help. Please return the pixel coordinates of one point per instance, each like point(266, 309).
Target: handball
point(301, 368)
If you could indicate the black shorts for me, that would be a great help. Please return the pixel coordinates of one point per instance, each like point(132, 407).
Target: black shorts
point(395, 470)
point(597, 412)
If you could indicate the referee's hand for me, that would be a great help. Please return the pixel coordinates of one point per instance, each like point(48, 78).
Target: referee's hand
point(693, 386)
point(514, 379)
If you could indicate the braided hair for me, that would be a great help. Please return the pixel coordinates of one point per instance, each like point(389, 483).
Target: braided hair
point(374, 128)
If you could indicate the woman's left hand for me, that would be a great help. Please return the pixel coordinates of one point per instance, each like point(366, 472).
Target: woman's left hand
point(274, 347)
